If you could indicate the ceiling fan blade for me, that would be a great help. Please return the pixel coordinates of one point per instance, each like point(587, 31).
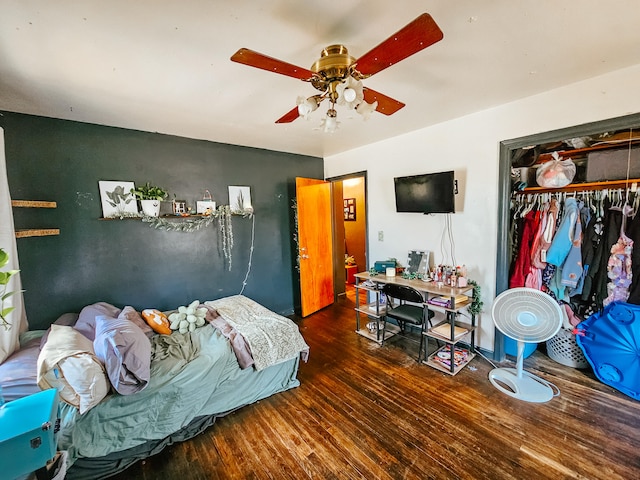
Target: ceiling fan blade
point(290, 116)
point(386, 105)
point(416, 36)
point(258, 60)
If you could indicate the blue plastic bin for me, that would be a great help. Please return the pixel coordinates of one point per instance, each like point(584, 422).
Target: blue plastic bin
point(511, 347)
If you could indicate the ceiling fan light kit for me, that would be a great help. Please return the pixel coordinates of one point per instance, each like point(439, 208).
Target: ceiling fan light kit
point(338, 75)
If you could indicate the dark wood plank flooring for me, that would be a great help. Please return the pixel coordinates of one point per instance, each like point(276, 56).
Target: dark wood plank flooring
point(370, 412)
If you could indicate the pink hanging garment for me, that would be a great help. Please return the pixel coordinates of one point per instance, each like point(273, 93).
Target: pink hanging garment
point(619, 265)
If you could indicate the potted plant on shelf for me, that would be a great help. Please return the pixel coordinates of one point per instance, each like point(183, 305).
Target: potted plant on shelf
point(150, 197)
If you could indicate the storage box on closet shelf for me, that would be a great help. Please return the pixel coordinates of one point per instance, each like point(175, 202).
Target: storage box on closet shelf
point(564, 349)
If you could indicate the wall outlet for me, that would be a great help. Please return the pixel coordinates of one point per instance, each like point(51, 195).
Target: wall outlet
point(380, 236)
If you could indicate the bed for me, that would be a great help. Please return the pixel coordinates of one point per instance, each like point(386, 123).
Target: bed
point(195, 377)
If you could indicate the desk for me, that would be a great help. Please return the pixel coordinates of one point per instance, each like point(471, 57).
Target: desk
point(457, 330)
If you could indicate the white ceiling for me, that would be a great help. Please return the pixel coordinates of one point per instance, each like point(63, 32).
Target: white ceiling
point(163, 66)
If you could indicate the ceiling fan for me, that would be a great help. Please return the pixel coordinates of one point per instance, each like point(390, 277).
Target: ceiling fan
point(338, 76)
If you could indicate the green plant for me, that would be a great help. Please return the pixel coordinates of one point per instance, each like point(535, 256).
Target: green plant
point(476, 302)
point(4, 283)
point(149, 192)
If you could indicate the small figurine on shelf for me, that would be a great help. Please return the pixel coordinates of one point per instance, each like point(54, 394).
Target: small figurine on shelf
point(179, 207)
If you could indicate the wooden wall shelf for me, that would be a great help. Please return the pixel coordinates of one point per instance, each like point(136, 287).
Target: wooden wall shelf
point(579, 187)
point(35, 232)
point(33, 204)
point(580, 152)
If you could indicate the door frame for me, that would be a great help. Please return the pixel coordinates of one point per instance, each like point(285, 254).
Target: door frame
point(339, 263)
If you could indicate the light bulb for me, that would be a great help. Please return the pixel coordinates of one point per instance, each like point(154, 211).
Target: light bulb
point(349, 94)
point(330, 122)
point(306, 106)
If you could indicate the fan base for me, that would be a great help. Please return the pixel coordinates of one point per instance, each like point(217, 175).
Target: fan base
point(527, 387)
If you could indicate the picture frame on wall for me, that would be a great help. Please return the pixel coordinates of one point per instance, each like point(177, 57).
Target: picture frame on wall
point(240, 199)
point(349, 209)
point(116, 199)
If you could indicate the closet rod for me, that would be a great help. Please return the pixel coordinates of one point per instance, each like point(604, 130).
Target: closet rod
point(578, 187)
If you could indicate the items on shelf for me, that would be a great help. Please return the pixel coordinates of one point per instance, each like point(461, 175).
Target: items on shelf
point(445, 302)
point(449, 275)
point(443, 356)
point(444, 329)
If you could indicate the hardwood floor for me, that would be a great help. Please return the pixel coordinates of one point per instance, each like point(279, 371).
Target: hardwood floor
point(370, 412)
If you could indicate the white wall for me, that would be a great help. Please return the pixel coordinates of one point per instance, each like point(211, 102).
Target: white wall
point(470, 146)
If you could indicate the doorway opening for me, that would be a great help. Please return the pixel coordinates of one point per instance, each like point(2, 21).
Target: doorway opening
point(350, 232)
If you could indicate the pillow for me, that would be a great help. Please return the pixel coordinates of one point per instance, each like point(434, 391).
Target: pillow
point(157, 320)
point(86, 323)
point(125, 351)
point(132, 315)
point(67, 319)
point(68, 363)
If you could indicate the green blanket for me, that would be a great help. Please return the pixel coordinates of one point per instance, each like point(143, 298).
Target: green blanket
point(192, 374)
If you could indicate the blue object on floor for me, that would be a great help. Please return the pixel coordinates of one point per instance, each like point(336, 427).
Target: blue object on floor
point(511, 347)
point(610, 341)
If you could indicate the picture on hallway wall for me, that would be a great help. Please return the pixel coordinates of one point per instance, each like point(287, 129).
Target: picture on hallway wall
point(349, 209)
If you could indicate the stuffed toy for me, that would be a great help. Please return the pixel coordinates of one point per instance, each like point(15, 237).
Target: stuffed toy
point(188, 318)
point(157, 321)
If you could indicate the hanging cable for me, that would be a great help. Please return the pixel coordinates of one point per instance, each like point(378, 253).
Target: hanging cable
point(626, 199)
point(452, 244)
point(447, 233)
point(253, 236)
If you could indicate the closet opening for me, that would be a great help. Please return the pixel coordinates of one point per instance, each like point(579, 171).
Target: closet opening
point(606, 165)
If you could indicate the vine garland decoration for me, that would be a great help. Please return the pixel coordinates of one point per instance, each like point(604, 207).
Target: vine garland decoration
point(476, 300)
point(192, 224)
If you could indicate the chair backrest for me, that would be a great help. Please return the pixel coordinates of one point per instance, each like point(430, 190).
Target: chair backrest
point(402, 292)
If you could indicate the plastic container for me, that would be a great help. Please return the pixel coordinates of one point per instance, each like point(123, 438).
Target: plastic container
point(511, 347)
point(27, 433)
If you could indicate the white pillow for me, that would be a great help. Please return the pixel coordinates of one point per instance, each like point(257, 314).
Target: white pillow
point(68, 363)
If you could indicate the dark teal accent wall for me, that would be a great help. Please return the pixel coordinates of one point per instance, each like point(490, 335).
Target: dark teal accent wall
point(126, 262)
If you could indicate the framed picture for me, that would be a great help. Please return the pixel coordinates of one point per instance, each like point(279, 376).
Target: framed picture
point(117, 199)
point(349, 209)
point(240, 199)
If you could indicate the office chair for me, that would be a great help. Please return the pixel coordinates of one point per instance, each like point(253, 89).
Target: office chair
point(406, 314)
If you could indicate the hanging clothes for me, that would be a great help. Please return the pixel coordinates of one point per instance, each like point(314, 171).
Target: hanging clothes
point(572, 267)
point(619, 265)
point(633, 231)
point(610, 235)
point(523, 261)
point(539, 253)
point(563, 239)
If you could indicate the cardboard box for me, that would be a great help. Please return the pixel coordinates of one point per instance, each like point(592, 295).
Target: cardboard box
point(27, 433)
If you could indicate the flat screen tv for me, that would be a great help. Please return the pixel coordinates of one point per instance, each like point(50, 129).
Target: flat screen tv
point(427, 193)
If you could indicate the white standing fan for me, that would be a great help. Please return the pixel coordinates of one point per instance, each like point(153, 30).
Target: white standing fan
point(526, 315)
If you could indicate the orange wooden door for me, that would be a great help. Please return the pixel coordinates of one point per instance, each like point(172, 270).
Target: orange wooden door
point(315, 242)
